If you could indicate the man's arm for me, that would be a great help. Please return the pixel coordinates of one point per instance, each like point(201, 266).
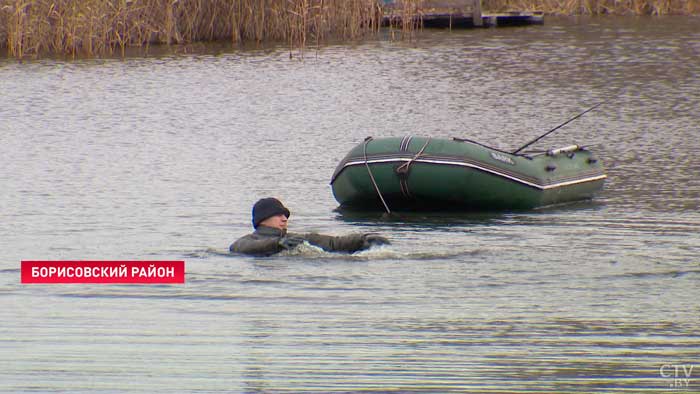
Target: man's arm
point(256, 246)
point(345, 243)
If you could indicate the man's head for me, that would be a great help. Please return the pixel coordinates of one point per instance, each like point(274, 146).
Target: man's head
point(271, 213)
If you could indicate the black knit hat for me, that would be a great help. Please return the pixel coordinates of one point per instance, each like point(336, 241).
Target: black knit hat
point(268, 207)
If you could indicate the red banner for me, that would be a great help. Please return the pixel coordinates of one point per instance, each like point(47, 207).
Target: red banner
point(138, 272)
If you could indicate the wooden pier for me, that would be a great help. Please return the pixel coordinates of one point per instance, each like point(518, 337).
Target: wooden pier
point(453, 14)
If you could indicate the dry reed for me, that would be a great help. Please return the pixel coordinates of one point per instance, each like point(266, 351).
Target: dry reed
point(404, 17)
point(103, 27)
point(597, 7)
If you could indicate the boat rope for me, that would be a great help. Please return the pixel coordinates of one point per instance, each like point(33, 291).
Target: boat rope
point(369, 171)
point(403, 168)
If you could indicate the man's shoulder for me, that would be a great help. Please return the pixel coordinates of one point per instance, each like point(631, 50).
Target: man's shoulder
point(260, 242)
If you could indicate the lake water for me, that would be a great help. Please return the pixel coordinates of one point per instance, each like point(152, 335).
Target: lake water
point(162, 157)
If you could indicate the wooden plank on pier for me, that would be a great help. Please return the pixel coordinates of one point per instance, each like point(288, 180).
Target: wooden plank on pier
point(452, 14)
point(513, 18)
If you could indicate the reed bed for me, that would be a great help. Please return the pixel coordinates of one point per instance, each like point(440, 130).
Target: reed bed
point(404, 17)
point(597, 7)
point(103, 27)
point(106, 27)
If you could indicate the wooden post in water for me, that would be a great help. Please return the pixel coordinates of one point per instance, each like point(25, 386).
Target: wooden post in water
point(476, 13)
point(462, 10)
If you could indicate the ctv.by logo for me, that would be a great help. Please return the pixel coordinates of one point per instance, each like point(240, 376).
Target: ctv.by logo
point(679, 374)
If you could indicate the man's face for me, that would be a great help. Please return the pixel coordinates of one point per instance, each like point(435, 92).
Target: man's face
point(277, 221)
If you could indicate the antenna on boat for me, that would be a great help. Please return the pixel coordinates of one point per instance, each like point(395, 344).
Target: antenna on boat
point(558, 127)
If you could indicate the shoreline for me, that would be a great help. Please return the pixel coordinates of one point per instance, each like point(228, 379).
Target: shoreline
point(96, 28)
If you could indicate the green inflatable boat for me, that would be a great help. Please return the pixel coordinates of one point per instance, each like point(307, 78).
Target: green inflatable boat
point(433, 173)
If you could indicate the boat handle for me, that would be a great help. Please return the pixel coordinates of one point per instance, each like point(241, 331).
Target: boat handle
point(570, 148)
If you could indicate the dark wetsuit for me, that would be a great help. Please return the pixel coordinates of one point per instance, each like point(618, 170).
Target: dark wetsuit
point(265, 241)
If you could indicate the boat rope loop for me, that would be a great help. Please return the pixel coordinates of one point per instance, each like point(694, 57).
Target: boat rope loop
point(403, 168)
point(371, 177)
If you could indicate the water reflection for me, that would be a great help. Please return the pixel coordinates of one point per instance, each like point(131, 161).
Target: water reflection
point(429, 219)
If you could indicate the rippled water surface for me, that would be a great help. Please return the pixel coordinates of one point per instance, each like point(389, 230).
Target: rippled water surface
point(161, 157)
